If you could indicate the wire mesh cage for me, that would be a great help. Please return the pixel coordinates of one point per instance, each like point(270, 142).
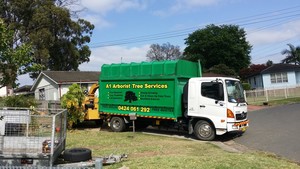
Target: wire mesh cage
point(31, 136)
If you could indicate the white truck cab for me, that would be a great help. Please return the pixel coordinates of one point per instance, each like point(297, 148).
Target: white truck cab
point(216, 106)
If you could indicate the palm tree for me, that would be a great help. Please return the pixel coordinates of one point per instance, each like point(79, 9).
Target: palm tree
point(292, 55)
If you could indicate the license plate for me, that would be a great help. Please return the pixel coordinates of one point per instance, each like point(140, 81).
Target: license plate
point(243, 129)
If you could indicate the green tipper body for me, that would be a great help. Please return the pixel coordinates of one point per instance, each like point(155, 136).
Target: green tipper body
point(149, 89)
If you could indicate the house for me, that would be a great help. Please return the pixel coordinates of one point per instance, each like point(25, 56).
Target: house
point(5, 90)
point(52, 85)
point(276, 76)
point(23, 90)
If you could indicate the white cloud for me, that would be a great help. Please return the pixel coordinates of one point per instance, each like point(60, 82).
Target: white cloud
point(183, 5)
point(97, 20)
point(96, 10)
point(104, 55)
point(284, 32)
point(104, 6)
point(268, 43)
point(114, 54)
point(196, 3)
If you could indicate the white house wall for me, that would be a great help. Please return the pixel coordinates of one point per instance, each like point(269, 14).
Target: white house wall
point(50, 88)
point(3, 91)
point(298, 78)
point(291, 81)
point(64, 88)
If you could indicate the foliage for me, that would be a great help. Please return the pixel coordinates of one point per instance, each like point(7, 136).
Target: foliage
point(72, 101)
point(213, 45)
point(292, 55)
point(222, 69)
point(252, 70)
point(269, 63)
point(14, 61)
point(19, 101)
point(246, 86)
point(165, 51)
point(58, 40)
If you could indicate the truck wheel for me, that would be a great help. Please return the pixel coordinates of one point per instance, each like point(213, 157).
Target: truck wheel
point(117, 124)
point(203, 130)
point(77, 154)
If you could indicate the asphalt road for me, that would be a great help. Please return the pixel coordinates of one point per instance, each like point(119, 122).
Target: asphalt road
point(275, 130)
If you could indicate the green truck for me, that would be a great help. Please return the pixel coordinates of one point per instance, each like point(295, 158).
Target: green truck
point(173, 94)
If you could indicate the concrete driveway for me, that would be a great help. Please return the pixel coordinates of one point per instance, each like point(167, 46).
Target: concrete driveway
point(274, 129)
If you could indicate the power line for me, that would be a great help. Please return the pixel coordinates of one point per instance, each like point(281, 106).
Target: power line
point(244, 21)
point(260, 18)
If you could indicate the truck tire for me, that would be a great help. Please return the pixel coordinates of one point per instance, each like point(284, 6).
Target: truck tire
point(117, 124)
point(77, 154)
point(204, 130)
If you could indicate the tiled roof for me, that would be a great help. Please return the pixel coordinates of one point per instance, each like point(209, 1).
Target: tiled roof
point(24, 88)
point(72, 76)
point(276, 68)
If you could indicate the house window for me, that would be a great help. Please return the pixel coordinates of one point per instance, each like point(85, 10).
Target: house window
point(42, 94)
point(279, 77)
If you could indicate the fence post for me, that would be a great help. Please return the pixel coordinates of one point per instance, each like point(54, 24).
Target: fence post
point(267, 97)
point(285, 92)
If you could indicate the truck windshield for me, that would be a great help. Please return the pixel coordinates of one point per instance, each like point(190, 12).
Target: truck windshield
point(235, 91)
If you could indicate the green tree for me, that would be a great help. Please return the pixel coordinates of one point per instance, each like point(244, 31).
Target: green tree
point(72, 101)
point(59, 40)
point(269, 63)
point(213, 45)
point(253, 69)
point(222, 69)
point(292, 55)
point(14, 60)
point(165, 51)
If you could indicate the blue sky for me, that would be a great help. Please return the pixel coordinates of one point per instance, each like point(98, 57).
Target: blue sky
point(124, 29)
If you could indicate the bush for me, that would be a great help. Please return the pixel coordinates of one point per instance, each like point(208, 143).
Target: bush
point(72, 101)
point(246, 86)
point(19, 101)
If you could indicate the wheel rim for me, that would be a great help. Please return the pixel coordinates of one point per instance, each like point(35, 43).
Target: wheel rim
point(205, 130)
point(116, 124)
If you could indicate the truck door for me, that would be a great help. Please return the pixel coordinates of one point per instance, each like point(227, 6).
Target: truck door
point(210, 102)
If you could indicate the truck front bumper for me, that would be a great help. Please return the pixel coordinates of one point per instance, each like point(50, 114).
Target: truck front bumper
point(238, 126)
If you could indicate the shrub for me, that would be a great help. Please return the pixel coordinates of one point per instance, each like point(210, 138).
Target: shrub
point(19, 101)
point(72, 101)
point(246, 86)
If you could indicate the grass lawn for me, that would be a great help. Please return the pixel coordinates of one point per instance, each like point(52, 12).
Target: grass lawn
point(284, 101)
point(154, 152)
point(278, 102)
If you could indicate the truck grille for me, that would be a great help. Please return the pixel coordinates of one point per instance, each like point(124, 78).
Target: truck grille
point(241, 116)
